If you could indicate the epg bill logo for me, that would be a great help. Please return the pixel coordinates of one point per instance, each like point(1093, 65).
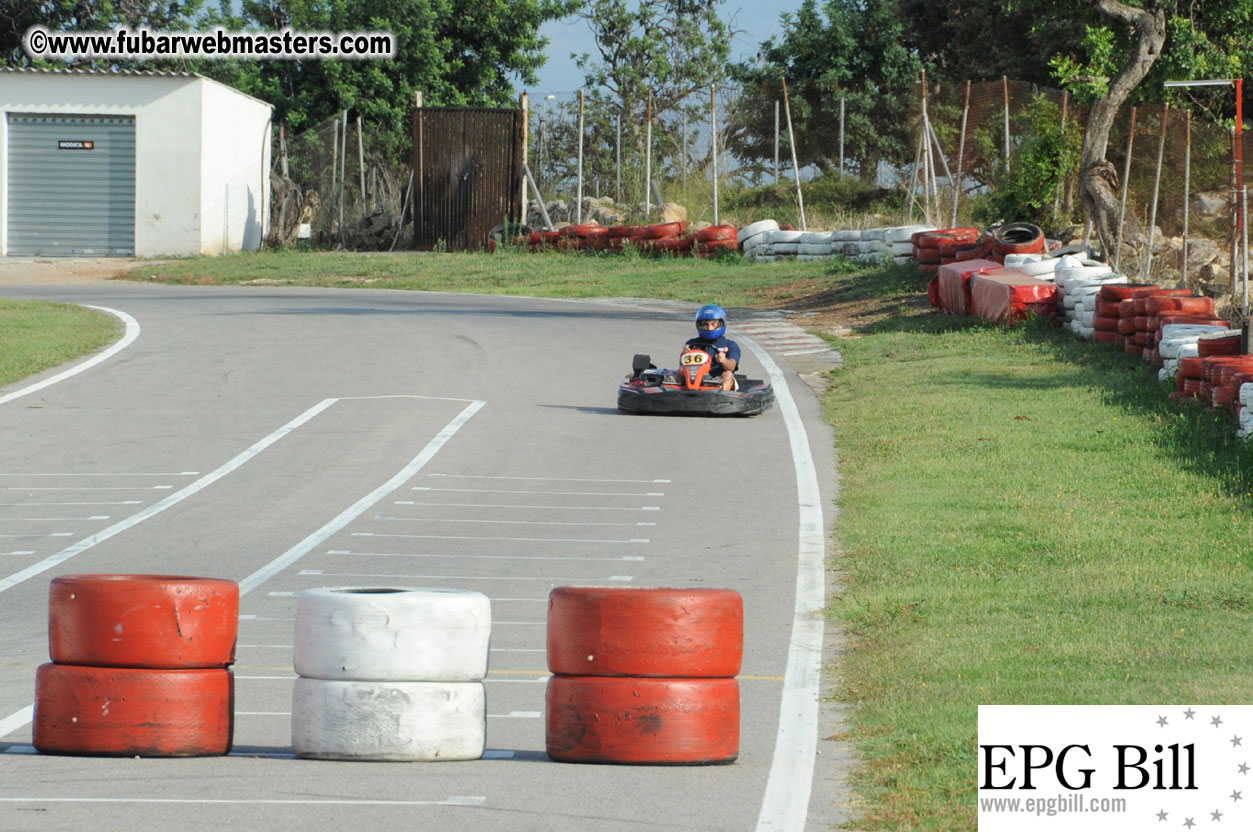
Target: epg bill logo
point(1115, 767)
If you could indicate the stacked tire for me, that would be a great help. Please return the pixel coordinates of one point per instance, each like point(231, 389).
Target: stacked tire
point(933, 248)
point(644, 676)
point(390, 674)
point(1079, 284)
point(140, 667)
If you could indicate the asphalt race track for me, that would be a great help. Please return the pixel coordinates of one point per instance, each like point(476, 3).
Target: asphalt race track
point(289, 439)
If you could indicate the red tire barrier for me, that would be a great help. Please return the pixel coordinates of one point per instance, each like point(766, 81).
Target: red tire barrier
point(625, 230)
point(716, 232)
point(124, 712)
point(970, 253)
point(674, 245)
point(1126, 326)
point(1105, 322)
point(928, 256)
point(617, 631)
point(1117, 293)
point(142, 621)
point(1107, 308)
point(1105, 336)
point(642, 721)
point(1146, 292)
point(1191, 367)
point(1163, 320)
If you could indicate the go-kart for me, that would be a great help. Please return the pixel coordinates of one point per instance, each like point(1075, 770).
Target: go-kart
point(690, 389)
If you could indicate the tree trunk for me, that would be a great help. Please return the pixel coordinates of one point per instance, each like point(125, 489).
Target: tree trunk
point(1098, 180)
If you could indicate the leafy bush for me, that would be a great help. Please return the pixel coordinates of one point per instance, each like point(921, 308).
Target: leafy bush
point(1041, 163)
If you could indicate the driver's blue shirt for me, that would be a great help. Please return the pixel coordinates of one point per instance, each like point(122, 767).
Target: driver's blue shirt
point(712, 347)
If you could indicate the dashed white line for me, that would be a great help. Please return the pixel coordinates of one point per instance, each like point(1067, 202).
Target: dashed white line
point(538, 479)
point(478, 521)
point(350, 553)
point(513, 539)
point(358, 508)
point(508, 505)
point(546, 493)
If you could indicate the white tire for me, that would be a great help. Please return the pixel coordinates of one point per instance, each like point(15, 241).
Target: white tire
point(903, 233)
point(1246, 398)
point(846, 236)
point(753, 229)
point(900, 249)
point(872, 235)
point(786, 248)
point(814, 249)
point(765, 258)
point(1088, 302)
point(412, 635)
point(1084, 317)
point(782, 236)
point(1086, 332)
point(815, 237)
point(903, 259)
point(870, 247)
point(750, 243)
point(849, 249)
point(388, 721)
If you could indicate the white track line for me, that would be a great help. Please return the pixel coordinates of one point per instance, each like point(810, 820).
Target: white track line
point(506, 505)
point(156, 508)
point(456, 800)
point(14, 721)
point(128, 338)
point(785, 804)
point(475, 557)
point(479, 521)
point(512, 539)
point(356, 509)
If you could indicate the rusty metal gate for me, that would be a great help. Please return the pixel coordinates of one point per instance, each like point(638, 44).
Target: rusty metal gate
point(467, 164)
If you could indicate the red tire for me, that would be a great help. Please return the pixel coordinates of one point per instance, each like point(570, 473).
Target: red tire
point(1157, 304)
point(661, 230)
point(619, 631)
point(123, 712)
point(1126, 326)
point(1126, 308)
point(642, 721)
point(1166, 319)
point(1017, 238)
point(715, 246)
point(1117, 293)
point(970, 253)
point(625, 230)
point(1229, 345)
point(142, 621)
point(1191, 367)
point(1104, 336)
point(1104, 322)
point(928, 256)
point(1107, 308)
point(674, 245)
point(945, 236)
point(716, 232)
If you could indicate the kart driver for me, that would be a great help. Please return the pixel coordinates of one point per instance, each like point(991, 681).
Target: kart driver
point(711, 326)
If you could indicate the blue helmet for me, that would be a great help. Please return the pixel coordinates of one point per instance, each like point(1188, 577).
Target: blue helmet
point(711, 312)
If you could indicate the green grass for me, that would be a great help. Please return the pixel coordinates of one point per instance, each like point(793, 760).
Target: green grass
point(733, 280)
point(1024, 519)
point(35, 336)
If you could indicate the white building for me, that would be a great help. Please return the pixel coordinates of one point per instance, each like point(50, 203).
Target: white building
point(98, 163)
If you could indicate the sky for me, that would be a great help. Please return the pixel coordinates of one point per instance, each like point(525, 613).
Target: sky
point(759, 19)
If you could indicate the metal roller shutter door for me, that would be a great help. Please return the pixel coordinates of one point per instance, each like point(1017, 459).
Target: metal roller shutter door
point(71, 185)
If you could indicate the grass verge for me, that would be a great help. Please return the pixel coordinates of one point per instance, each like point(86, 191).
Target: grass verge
point(1025, 519)
point(733, 280)
point(35, 335)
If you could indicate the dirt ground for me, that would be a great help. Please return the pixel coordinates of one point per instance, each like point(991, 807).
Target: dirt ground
point(15, 270)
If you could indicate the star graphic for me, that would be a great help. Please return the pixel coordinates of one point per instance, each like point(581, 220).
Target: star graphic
point(1161, 816)
point(1243, 768)
point(1161, 722)
point(1235, 795)
point(1216, 815)
point(1235, 741)
point(1216, 721)
point(1188, 714)
point(1189, 823)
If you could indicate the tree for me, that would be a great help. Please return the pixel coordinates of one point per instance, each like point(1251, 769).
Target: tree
point(17, 16)
point(671, 48)
point(850, 49)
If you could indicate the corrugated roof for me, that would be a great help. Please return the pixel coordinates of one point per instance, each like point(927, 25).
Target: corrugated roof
point(85, 71)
